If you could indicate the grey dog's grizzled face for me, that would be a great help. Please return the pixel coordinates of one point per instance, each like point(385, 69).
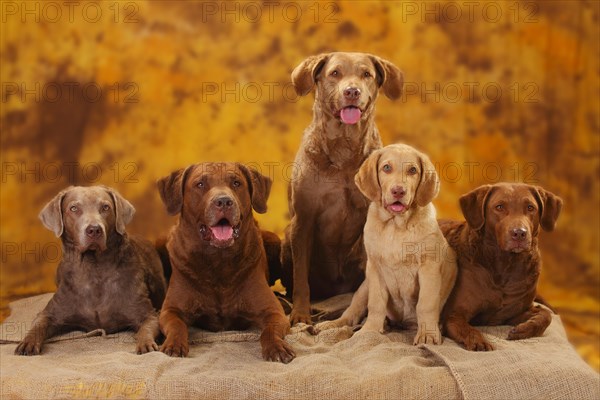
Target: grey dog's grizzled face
point(88, 217)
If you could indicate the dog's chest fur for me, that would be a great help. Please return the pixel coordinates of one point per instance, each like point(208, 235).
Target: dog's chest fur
point(397, 249)
point(99, 289)
point(342, 202)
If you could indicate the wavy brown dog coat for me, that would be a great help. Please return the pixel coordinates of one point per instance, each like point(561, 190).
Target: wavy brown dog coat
point(323, 254)
point(218, 258)
point(498, 262)
point(106, 279)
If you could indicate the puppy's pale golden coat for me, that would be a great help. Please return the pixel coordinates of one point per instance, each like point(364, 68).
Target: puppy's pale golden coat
point(410, 269)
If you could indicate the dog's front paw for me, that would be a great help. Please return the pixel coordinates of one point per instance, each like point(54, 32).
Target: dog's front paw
point(29, 347)
point(524, 330)
point(476, 342)
point(175, 348)
point(278, 351)
point(146, 346)
point(428, 336)
point(298, 316)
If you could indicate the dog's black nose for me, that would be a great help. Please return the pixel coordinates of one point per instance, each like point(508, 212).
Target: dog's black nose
point(93, 231)
point(518, 233)
point(398, 192)
point(352, 93)
point(223, 202)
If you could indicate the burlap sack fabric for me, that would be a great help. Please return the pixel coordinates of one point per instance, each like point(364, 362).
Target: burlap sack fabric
point(332, 365)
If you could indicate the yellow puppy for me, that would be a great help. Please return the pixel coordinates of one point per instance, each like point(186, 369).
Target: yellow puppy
point(410, 269)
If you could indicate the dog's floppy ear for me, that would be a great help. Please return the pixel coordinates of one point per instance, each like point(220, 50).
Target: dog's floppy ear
point(389, 77)
point(429, 186)
point(367, 177)
point(304, 76)
point(472, 205)
point(123, 210)
point(171, 189)
point(259, 186)
point(550, 206)
point(51, 215)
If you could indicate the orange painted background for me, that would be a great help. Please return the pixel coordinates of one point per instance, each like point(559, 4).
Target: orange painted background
point(121, 93)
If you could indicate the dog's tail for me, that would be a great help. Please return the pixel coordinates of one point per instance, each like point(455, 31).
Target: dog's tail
point(161, 248)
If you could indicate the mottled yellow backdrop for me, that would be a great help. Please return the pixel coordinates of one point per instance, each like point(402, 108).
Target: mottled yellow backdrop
point(121, 93)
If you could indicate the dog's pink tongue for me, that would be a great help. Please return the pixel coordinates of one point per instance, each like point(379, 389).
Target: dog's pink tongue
point(397, 207)
point(222, 232)
point(350, 115)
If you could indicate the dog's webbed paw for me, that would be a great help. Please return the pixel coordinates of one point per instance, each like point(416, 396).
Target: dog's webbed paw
point(146, 346)
point(425, 336)
point(28, 348)
point(175, 348)
point(297, 317)
point(476, 342)
point(524, 330)
point(279, 351)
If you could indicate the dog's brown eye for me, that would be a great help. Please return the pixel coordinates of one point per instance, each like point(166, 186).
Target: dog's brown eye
point(387, 168)
point(200, 184)
point(236, 183)
point(105, 207)
point(412, 170)
point(530, 208)
point(335, 72)
point(367, 74)
point(500, 207)
point(73, 209)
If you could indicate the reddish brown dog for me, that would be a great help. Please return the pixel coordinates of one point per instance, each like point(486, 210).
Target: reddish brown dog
point(218, 259)
point(498, 262)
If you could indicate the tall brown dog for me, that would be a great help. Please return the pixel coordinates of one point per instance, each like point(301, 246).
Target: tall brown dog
point(498, 262)
point(219, 278)
point(323, 254)
point(106, 279)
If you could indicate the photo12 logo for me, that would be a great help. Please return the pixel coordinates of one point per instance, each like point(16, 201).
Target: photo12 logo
point(70, 11)
point(247, 92)
point(425, 92)
point(268, 11)
point(34, 252)
point(70, 92)
point(471, 92)
point(490, 172)
point(451, 172)
point(456, 12)
point(71, 172)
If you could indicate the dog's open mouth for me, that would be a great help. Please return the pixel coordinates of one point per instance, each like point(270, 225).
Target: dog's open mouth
point(350, 115)
point(221, 234)
point(397, 207)
point(222, 230)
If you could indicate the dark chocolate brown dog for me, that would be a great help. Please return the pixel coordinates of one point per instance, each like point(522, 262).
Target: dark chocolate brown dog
point(323, 254)
point(498, 262)
point(219, 278)
point(106, 279)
